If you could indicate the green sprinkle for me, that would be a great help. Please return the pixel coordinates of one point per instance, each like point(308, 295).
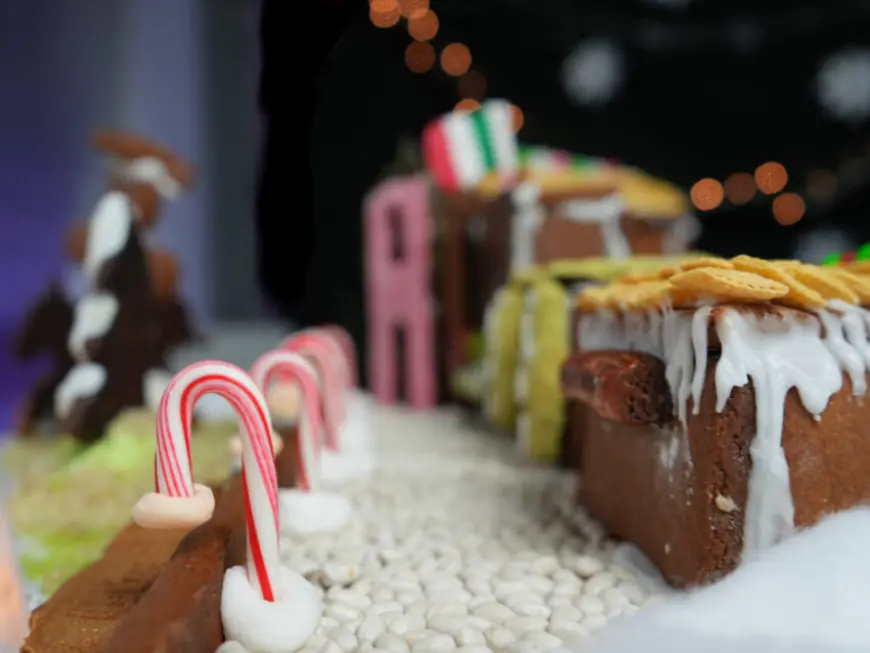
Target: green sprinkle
point(832, 259)
point(863, 253)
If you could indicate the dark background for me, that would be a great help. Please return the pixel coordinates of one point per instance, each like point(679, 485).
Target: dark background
point(710, 88)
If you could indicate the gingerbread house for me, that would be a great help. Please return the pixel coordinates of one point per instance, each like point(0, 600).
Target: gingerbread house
point(725, 406)
point(595, 210)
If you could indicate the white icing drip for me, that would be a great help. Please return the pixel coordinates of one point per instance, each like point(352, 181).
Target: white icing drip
point(94, 315)
point(525, 221)
point(776, 355)
point(682, 233)
point(700, 322)
point(108, 232)
point(83, 380)
point(667, 336)
point(606, 212)
point(856, 324)
point(149, 170)
point(492, 347)
point(841, 346)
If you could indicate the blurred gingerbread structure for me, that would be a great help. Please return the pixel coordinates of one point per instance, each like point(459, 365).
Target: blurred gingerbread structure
point(501, 215)
point(110, 348)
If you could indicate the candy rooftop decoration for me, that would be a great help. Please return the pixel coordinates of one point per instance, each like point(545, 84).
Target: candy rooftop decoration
point(844, 258)
point(461, 149)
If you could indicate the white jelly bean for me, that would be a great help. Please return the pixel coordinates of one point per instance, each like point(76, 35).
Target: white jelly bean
point(493, 612)
point(392, 642)
point(370, 629)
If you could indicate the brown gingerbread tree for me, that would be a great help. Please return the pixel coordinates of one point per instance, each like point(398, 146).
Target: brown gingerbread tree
point(112, 346)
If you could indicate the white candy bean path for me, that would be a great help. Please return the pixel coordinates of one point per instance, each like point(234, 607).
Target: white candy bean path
point(457, 544)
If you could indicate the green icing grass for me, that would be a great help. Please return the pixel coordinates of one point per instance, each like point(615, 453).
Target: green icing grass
point(70, 500)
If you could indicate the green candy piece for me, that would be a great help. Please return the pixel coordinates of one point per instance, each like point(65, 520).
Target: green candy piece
point(863, 253)
point(832, 259)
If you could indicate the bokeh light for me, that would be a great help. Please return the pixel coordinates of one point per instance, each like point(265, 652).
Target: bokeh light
point(420, 57)
point(771, 178)
point(821, 184)
point(707, 194)
point(423, 27)
point(466, 106)
point(384, 19)
point(413, 9)
point(519, 118)
point(788, 208)
point(456, 59)
point(383, 6)
point(472, 85)
point(740, 188)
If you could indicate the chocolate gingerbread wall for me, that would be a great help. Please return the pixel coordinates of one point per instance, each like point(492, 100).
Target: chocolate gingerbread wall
point(680, 494)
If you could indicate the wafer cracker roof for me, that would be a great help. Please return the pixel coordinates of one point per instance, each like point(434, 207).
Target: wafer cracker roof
point(649, 197)
point(603, 269)
point(742, 279)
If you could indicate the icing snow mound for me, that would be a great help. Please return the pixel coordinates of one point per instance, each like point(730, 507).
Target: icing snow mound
point(801, 596)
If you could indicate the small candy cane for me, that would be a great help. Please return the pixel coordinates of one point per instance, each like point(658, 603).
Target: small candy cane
point(346, 343)
point(290, 367)
point(179, 502)
point(323, 354)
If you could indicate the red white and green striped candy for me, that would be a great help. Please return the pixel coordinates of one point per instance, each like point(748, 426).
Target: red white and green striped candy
point(460, 149)
point(844, 258)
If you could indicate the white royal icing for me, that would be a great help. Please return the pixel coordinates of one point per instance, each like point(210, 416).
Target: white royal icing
point(83, 380)
point(607, 213)
point(93, 317)
point(149, 170)
point(307, 513)
point(257, 626)
point(776, 354)
point(108, 232)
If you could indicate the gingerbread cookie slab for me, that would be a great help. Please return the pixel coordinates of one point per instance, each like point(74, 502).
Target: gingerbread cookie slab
point(766, 367)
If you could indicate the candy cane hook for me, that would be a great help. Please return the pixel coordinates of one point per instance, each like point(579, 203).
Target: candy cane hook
point(293, 368)
point(321, 351)
point(178, 502)
point(348, 348)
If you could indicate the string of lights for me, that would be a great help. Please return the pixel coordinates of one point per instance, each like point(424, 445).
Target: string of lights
point(767, 183)
point(421, 55)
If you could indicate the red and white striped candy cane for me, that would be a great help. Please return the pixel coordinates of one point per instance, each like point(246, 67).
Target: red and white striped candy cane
point(348, 348)
point(174, 472)
point(324, 355)
point(293, 368)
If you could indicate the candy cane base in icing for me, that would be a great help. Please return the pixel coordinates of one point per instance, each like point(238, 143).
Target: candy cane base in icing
point(307, 512)
point(258, 626)
point(357, 434)
point(156, 510)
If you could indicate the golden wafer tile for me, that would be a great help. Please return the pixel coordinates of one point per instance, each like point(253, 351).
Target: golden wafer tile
point(729, 285)
point(829, 286)
point(799, 294)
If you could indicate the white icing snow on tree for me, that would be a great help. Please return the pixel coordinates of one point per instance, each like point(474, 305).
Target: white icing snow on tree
point(843, 85)
point(593, 72)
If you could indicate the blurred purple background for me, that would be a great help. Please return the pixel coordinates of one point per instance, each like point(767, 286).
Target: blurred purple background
point(146, 65)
